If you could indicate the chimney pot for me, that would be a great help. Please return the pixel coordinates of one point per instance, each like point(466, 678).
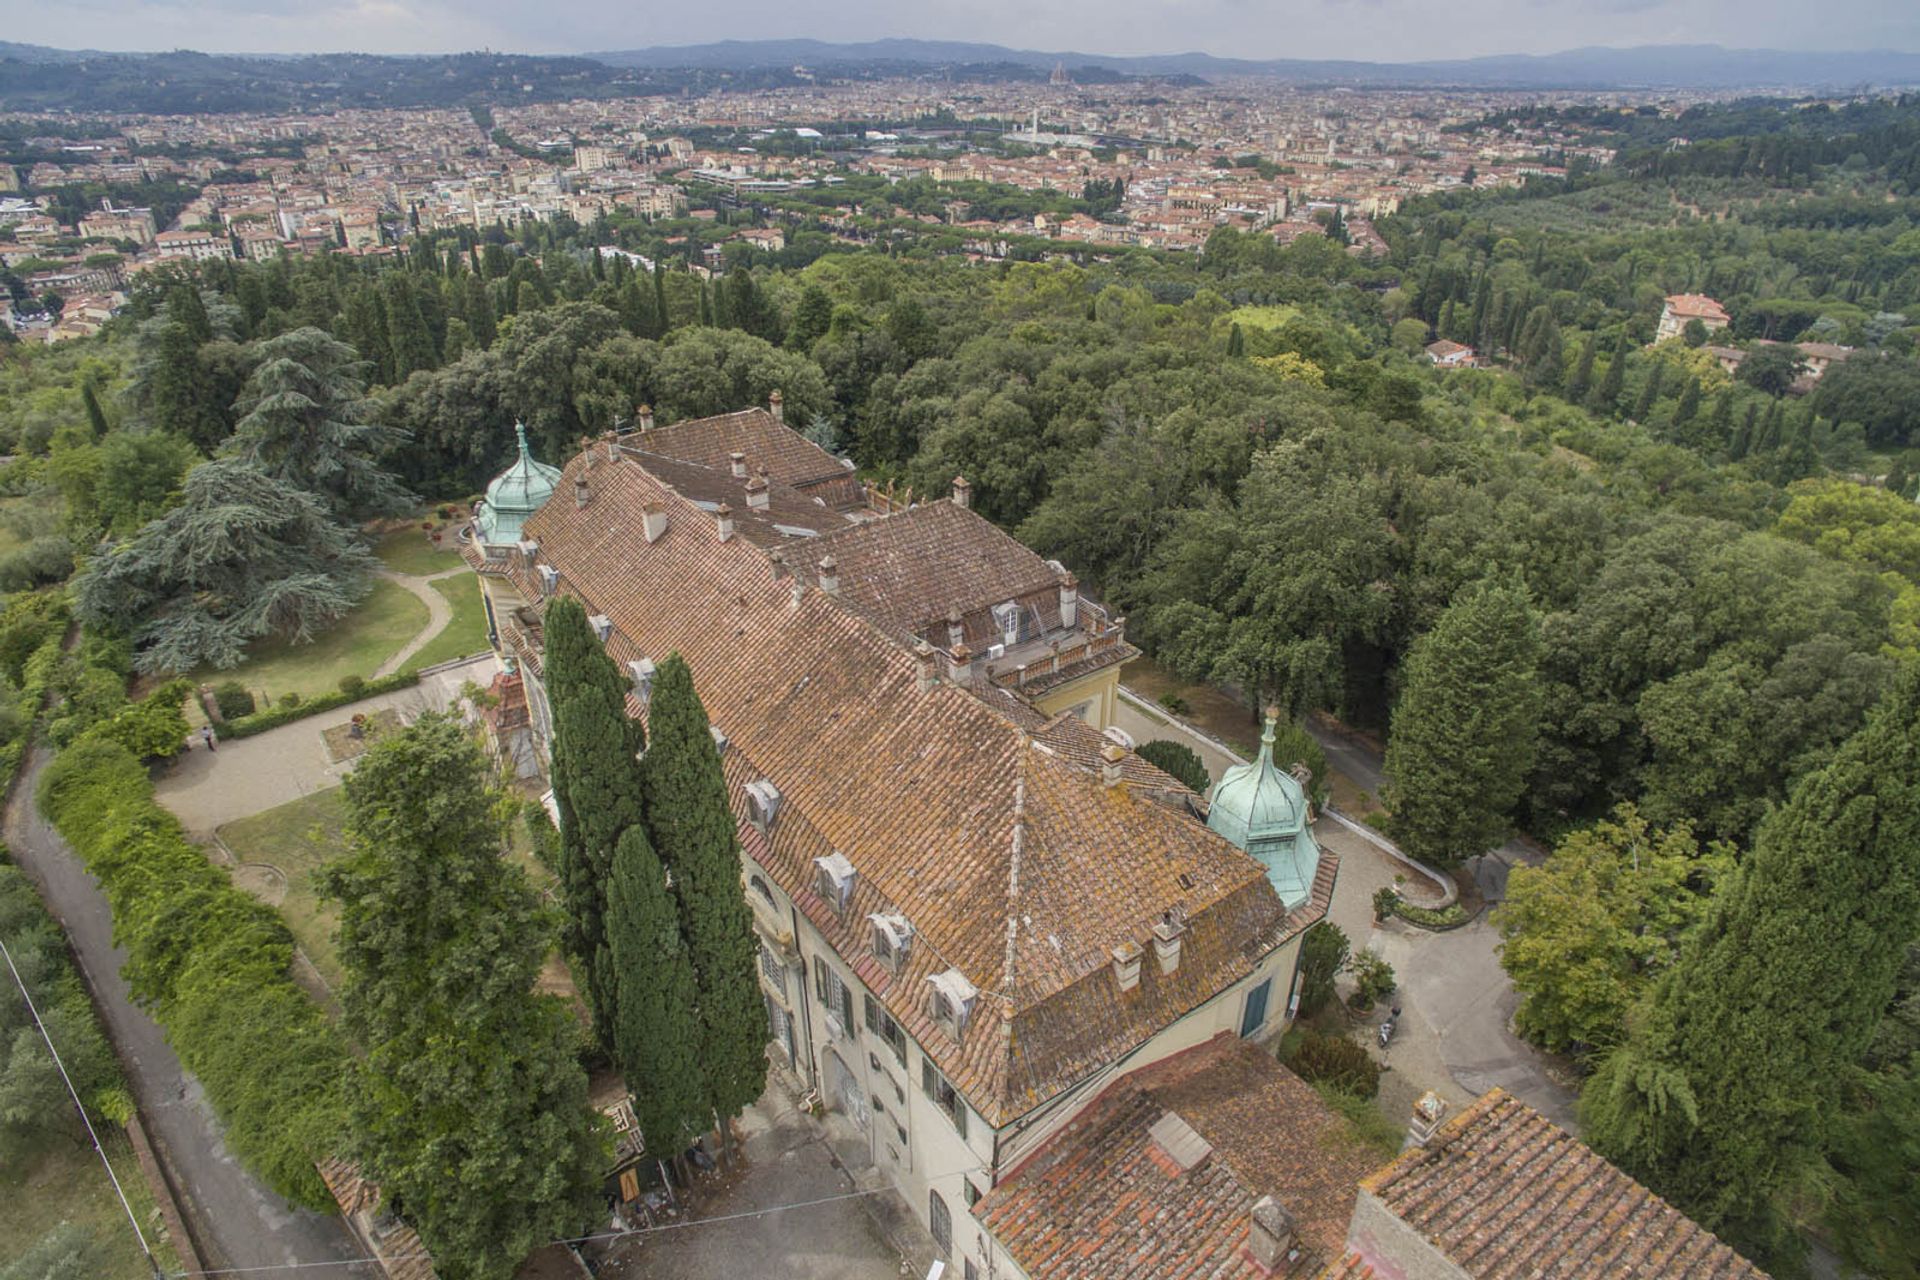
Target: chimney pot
point(1428, 1113)
point(829, 575)
point(1270, 1234)
point(960, 662)
point(739, 461)
point(1069, 602)
point(777, 407)
point(778, 562)
point(962, 492)
point(1166, 942)
point(582, 491)
point(955, 631)
point(645, 414)
point(613, 446)
point(723, 521)
point(758, 499)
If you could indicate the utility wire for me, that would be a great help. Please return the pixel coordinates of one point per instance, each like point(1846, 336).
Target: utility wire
point(73, 1093)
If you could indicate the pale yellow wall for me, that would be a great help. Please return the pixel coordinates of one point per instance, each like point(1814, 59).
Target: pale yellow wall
point(1102, 687)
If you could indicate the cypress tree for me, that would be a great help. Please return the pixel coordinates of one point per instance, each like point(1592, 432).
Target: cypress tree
point(1769, 437)
point(665, 317)
point(96, 416)
point(655, 1035)
point(1236, 343)
point(693, 830)
point(1606, 397)
point(1650, 394)
point(1580, 381)
point(569, 649)
point(1463, 730)
point(1722, 1092)
point(1689, 403)
point(706, 307)
point(1720, 426)
point(477, 310)
point(1482, 301)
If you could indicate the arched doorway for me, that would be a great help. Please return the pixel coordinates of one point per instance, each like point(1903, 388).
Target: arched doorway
point(940, 1223)
point(844, 1093)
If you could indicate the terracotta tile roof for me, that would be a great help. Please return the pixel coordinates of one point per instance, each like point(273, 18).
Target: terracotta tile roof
point(1697, 305)
point(786, 455)
point(401, 1253)
point(1100, 1199)
point(1508, 1195)
point(1351, 1267)
point(1010, 859)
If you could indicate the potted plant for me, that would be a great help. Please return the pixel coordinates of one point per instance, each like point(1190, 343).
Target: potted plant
point(1385, 899)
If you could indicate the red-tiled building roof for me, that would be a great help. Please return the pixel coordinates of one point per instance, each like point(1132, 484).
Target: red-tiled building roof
point(1506, 1194)
point(1104, 1199)
point(1011, 860)
point(1696, 306)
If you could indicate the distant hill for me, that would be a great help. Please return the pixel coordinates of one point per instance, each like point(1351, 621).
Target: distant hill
point(1648, 66)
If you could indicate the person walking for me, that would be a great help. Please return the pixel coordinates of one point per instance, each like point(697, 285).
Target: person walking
point(206, 735)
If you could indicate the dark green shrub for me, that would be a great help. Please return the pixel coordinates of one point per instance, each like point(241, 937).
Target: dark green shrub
point(1175, 703)
point(353, 686)
point(1336, 1061)
point(233, 699)
point(274, 717)
point(1180, 760)
point(289, 700)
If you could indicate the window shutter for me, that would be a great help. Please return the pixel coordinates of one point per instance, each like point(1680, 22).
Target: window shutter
point(820, 978)
point(929, 1080)
point(959, 1114)
point(873, 1014)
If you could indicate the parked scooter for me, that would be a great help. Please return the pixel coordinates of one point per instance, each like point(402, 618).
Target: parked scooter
point(1386, 1028)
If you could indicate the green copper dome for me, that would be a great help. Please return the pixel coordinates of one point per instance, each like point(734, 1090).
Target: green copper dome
point(515, 494)
point(1263, 809)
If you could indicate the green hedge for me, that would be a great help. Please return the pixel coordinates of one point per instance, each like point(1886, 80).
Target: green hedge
point(274, 717)
point(211, 963)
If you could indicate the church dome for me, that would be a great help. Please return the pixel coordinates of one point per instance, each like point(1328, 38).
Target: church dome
point(1263, 809)
point(515, 494)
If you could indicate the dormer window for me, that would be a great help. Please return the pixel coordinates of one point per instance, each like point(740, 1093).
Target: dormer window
point(763, 803)
point(549, 579)
point(1006, 617)
point(640, 671)
point(892, 940)
point(950, 1002)
point(836, 878)
point(719, 738)
point(602, 626)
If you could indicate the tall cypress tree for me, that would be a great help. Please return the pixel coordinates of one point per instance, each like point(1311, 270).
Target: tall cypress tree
point(595, 744)
point(1580, 381)
point(1689, 403)
point(655, 1035)
point(1723, 1090)
point(692, 827)
point(1606, 397)
point(569, 646)
point(1463, 731)
point(1650, 394)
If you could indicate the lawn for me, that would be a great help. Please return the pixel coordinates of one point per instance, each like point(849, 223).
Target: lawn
point(66, 1184)
point(296, 839)
point(379, 628)
point(465, 633)
point(407, 550)
point(1263, 317)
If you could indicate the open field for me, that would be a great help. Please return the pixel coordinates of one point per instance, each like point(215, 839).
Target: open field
point(408, 550)
point(65, 1183)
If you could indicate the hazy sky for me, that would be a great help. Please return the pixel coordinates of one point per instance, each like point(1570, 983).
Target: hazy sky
point(1387, 30)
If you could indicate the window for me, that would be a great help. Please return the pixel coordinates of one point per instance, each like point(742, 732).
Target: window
point(950, 1001)
point(940, 1223)
point(773, 970)
point(834, 879)
point(972, 1270)
point(882, 1025)
point(834, 993)
point(944, 1096)
point(1007, 618)
point(760, 887)
point(892, 940)
point(971, 1194)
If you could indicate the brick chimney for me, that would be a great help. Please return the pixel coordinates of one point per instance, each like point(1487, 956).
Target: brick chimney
point(955, 632)
point(1166, 941)
point(1113, 759)
point(777, 562)
point(777, 407)
point(962, 492)
point(1270, 1234)
point(926, 670)
point(645, 414)
point(758, 499)
point(1428, 1114)
point(1069, 602)
point(723, 521)
point(739, 461)
point(830, 575)
point(960, 664)
point(582, 491)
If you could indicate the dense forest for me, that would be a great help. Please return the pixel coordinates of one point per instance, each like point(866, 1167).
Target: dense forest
point(1702, 582)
